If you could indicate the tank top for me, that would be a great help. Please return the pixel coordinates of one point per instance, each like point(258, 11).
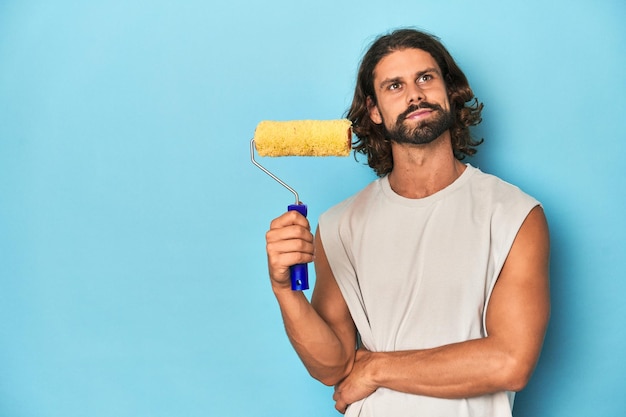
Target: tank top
point(418, 273)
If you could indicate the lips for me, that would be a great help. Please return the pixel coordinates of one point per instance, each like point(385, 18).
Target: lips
point(416, 112)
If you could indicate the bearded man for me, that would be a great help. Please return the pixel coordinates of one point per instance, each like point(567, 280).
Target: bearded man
point(432, 283)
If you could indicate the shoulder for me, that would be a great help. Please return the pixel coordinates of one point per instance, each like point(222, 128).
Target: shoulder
point(499, 194)
point(333, 216)
point(504, 206)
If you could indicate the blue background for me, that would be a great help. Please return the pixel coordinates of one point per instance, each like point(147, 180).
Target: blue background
point(132, 266)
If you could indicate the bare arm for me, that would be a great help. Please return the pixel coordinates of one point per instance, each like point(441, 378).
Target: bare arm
point(517, 318)
point(321, 332)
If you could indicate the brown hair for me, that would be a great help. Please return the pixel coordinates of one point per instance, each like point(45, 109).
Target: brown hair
point(371, 141)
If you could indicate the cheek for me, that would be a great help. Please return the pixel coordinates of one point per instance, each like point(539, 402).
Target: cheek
point(389, 119)
point(383, 112)
point(392, 109)
point(444, 102)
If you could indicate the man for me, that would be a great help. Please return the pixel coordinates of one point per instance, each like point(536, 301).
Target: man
point(431, 294)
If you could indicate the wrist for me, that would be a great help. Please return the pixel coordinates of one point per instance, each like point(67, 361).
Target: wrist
point(372, 368)
point(281, 287)
point(284, 293)
point(377, 368)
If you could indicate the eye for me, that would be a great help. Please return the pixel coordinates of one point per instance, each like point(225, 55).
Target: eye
point(425, 78)
point(394, 86)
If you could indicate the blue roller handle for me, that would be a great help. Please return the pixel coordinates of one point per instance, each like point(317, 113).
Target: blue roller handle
point(300, 272)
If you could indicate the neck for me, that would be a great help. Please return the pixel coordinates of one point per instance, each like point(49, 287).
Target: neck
point(422, 170)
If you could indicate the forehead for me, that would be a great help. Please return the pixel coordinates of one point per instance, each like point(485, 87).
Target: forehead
point(404, 62)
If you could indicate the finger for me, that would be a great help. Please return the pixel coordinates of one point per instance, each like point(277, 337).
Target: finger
point(288, 242)
point(289, 233)
point(282, 254)
point(282, 261)
point(340, 405)
point(289, 239)
point(290, 247)
point(289, 218)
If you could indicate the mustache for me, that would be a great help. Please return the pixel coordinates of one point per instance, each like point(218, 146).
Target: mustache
point(415, 107)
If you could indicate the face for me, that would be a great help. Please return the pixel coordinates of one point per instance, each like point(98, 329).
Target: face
point(411, 98)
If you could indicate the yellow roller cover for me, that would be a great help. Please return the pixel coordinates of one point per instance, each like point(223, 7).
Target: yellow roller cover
point(303, 138)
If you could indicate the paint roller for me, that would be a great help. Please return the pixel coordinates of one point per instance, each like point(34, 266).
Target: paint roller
point(300, 138)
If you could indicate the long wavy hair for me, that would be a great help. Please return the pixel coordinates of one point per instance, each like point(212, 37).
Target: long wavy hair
point(465, 107)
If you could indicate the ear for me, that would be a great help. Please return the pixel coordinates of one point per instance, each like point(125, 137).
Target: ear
point(373, 111)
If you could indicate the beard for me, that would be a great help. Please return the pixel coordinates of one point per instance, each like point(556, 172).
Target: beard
point(425, 131)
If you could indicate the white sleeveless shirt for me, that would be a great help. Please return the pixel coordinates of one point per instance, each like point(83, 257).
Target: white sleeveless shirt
point(418, 273)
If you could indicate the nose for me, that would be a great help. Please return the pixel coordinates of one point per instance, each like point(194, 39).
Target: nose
point(414, 94)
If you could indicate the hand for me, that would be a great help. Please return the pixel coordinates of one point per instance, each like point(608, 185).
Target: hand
point(289, 242)
point(358, 384)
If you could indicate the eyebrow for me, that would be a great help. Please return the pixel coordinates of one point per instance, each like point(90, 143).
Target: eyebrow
point(394, 80)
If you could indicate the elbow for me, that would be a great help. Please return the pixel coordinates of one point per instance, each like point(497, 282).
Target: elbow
point(517, 383)
point(329, 381)
point(516, 374)
point(330, 376)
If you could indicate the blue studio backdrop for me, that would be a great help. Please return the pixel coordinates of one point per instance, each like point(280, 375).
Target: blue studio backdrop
point(132, 267)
